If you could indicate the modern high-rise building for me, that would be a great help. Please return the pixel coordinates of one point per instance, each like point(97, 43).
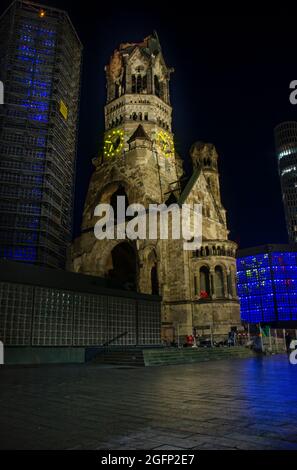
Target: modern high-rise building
point(286, 149)
point(40, 67)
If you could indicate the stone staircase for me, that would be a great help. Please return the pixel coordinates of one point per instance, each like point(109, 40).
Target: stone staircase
point(169, 356)
point(126, 357)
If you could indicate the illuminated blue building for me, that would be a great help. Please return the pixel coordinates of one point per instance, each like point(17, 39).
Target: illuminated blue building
point(40, 64)
point(267, 284)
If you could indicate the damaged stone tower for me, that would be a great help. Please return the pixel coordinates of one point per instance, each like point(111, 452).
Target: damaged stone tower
point(139, 162)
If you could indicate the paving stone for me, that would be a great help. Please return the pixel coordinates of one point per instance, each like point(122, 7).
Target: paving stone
point(167, 447)
point(245, 404)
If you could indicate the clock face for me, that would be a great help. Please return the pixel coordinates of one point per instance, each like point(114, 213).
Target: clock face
point(165, 143)
point(113, 143)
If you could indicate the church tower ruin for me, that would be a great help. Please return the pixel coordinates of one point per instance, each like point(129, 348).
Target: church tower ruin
point(139, 162)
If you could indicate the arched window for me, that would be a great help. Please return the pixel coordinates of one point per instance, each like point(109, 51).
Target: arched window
point(140, 116)
point(123, 266)
point(144, 83)
point(219, 282)
point(161, 90)
point(133, 84)
point(204, 282)
point(139, 84)
point(157, 85)
point(154, 280)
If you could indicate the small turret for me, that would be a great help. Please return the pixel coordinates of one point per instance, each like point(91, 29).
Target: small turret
point(139, 139)
point(204, 156)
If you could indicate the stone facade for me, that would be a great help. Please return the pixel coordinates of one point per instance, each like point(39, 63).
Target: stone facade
point(198, 288)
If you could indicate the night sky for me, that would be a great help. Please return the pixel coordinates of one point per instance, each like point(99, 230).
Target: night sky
point(230, 87)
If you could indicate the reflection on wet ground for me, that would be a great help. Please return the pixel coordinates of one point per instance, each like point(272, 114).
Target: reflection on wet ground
point(242, 404)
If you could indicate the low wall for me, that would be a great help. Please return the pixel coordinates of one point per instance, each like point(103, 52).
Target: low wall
point(171, 356)
point(52, 355)
point(43, 307)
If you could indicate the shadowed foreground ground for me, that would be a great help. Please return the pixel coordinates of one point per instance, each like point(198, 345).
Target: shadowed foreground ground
point(242, 404)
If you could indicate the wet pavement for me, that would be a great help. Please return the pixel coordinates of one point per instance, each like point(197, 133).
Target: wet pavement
point(232, 404)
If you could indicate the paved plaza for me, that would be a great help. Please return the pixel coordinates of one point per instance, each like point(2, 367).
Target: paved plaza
point(229, 404)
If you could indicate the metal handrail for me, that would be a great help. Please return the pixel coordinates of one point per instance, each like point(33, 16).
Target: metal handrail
point(114, 339)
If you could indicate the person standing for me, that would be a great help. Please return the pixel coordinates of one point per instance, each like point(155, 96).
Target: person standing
point(288, 340)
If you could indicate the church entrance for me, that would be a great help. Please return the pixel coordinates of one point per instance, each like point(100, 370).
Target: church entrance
point(124, 266)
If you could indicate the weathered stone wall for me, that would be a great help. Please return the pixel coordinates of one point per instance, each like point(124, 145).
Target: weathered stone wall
point(221, 315)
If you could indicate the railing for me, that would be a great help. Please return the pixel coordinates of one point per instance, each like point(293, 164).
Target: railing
point(105, 345)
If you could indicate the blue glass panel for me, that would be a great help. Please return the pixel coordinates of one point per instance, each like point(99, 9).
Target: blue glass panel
point(255, 288)
point(28, 254)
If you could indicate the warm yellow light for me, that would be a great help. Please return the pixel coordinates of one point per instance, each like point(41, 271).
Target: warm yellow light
point(165, 142)
point(41, 13)
point(113, 143)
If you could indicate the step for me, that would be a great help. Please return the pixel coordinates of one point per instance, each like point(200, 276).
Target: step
point(180, 356)
point(127, 358)
point(167, 356)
